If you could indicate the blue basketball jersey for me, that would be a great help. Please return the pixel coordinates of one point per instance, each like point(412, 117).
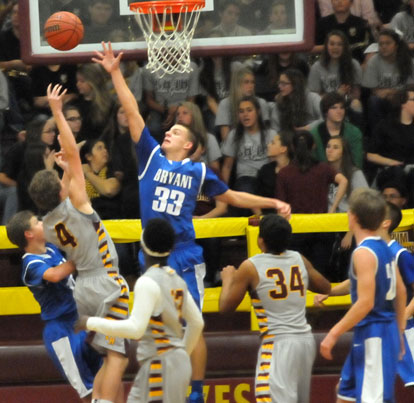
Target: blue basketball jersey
point(385, 281)
point(55, 299)
point(169, 189)
point(405, 262)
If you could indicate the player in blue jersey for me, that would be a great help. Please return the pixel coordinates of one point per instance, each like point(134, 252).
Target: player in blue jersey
point(405, 263)
point(377, 313)
point(48, 276)
point(169, 183)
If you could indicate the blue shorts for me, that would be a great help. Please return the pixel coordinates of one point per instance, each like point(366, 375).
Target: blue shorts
point(370, 369)
point(406, 365)
point(75, 359)
point(188, 261)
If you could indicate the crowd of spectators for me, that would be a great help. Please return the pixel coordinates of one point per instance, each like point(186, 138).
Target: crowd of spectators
point(341, 115)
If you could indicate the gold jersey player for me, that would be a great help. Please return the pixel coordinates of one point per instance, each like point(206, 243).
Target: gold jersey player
point(76, 228)
point(277, 281)
point(162, 303)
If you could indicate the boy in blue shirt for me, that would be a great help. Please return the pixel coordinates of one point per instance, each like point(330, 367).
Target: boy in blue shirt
point(377, 313)
point(48, 276)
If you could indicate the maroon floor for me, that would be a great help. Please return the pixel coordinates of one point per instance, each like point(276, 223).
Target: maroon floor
point(231, 390)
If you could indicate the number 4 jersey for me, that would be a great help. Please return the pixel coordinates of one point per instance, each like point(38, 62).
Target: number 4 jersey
point(169, 189)
point(280, 296)
point(82, 237)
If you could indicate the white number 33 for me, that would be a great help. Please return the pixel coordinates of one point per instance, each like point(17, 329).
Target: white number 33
point(168, 201)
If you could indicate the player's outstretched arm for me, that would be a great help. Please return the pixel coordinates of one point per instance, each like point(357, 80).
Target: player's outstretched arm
point(251, 201)
point(147, 295)
point(110, 63)
point(235, 284)
point(70, 151)
point(317, 282)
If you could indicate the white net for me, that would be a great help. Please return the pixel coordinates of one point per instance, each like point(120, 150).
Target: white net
point(168, 36)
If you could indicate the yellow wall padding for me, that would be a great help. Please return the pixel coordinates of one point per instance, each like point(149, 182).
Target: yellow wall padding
point(19, 300)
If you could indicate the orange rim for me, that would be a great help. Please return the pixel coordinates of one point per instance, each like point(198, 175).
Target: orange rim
point(159, 6)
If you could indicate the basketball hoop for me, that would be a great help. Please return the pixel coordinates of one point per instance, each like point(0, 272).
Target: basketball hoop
point(168, 28)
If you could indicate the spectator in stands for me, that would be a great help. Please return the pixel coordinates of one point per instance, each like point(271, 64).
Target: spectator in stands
point(334, 124)
point(338, 155)
point(304, 183)
point(387, 71)
point(102, 186)
point(95, 102)
point(336, 70)
point(387, 9)
point(296, 108)
point(253, 13)
point(4, 105)
point(229, 12)
point(273, 65)
point(246, 146)
point(404, 23)
point(49, 7)
point(212, 91)
point(392, 143)
point(242, 85)
point(189, 114)
point(355, 28)
point(280, 153)
point(74, 118)
point(100, 21)
point(164, 94)
point(123, 161)
point(395, 192)
point(13, 66)
point(278, 18)
point(361, 8)
point(36, 157)
point(42, 76)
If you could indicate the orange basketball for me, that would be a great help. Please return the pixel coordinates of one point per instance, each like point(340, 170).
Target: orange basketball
point(63, 30)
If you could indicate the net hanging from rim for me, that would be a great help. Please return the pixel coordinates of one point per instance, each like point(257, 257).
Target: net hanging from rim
point(168, 28)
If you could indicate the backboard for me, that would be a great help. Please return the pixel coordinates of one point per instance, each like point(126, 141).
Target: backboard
point(235, 27)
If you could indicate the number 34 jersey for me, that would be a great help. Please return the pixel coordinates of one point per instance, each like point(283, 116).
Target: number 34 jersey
point(169, 189)
point(82, 237)
point(280, 296)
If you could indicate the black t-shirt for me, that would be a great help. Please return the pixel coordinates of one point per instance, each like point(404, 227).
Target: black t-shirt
point(9, 46)
point(355, 28)
point(13, 160)
point(393, 140)
point(42, 77)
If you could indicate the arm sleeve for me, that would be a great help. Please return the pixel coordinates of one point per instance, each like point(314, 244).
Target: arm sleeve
point(314, 80)
point(144, 148)
point(195, 324)
point(33, 271)
point(146, 297)
point(223, 117)
point(213, 186)
point(228, 148)
point(369, 76)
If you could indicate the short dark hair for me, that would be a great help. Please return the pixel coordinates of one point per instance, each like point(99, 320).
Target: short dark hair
point(44, 189)
point(17, 226)
point(368, 206)
point(395, 215)
point(329, 100)
point(159, 235)
point(395, 184)
point(194, 137)
point(275, 232)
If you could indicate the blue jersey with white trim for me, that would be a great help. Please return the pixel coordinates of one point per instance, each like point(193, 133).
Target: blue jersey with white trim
point(55, 299)
point(385, 281)
point(405, 262)
point(169, 189)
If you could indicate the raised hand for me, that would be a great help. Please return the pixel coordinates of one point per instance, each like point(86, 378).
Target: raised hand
point(283, 209)
point(107, 58)
point(55, 97)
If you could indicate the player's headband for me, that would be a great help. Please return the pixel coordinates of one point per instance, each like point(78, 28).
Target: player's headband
point(150, 252)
